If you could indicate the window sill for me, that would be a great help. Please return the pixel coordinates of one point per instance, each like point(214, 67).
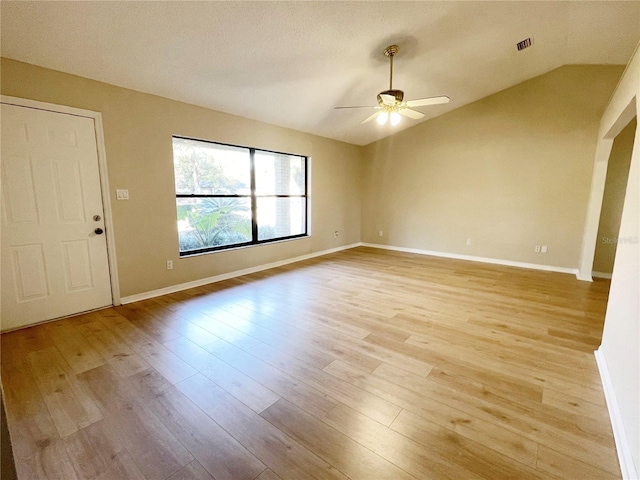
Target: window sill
point(198, 253)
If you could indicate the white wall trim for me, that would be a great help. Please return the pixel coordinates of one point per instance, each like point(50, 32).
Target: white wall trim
point(494, 261)
point(104, 178)
point(619, 434)
point(258, 268)
point(225, 276)
point(601, 275)
point(594, 208)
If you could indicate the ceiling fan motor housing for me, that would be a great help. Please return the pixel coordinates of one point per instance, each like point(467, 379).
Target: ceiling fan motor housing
point(398, 94)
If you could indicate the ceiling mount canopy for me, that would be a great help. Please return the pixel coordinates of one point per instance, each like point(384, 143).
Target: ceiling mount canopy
point(391, 105)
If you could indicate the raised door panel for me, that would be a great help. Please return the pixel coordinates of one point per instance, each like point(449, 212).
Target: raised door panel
point(29, 272)
point(68, 190)
point(19, 195)
point(77, 265)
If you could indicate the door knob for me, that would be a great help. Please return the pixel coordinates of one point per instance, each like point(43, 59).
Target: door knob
point(98, 231)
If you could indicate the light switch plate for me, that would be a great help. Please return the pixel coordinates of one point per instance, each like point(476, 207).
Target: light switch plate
point(122, 194)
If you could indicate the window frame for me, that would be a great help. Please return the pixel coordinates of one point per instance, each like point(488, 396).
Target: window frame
point(253, 196)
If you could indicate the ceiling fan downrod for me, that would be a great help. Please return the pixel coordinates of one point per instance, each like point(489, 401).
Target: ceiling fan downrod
point(390, 51)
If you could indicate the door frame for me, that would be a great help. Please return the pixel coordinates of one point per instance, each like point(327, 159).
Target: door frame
point(103, 173)
point(603, 152)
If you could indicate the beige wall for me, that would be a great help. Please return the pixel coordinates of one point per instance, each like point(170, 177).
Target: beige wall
point(619, 354)
point(510, 171)
point(614, 191)
point(138, 129)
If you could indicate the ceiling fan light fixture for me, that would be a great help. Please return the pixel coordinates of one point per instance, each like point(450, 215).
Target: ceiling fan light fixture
point(391, 103)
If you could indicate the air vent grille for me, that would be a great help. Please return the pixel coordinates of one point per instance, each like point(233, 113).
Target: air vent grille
point(526, 43)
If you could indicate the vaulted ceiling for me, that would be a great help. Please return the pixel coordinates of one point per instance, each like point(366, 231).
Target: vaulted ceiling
point(290, 63)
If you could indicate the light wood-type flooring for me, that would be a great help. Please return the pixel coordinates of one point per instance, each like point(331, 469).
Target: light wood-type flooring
point(364, 364)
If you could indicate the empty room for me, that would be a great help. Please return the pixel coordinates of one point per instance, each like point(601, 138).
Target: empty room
point(320, 240)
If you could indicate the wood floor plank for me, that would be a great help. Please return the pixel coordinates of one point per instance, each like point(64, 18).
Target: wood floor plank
point(401, 377)
point(80, 355)
point(562, 466)
point(346, 392)
point(538, 421)
point(537, 418)
point(152, 352)
point(94, 454)
point(364, 363)
point(53, 461)
point(475, 455)
point(154, 448)
point(117, 353)
point(193, 471)
point(436, 409)
point(215, 449)
point(244, 388)
point(268, 475)
point(350, 457)
point(15, 345)
point(279, 452)
point(31, 427)
point(499, 363)
point(318, 350)
point(569, 403)
point(70, 405)
point(306, 397)
point(409, 455)
point(184, 327)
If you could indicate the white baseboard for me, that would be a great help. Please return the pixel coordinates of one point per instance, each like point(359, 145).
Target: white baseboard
point(619, 434)
point(225, 276)
point(585, 277)
point(471, 258)
point(601, 275)
point(237, 273)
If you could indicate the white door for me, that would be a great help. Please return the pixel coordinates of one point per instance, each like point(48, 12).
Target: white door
point(53, 247)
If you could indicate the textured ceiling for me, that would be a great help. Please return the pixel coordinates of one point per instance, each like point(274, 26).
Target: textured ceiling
point(290, 63)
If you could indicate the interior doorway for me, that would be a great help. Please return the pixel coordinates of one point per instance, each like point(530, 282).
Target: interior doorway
point(612, 201)
point(610, 128)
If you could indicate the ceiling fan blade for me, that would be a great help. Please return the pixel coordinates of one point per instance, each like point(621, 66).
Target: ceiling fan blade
point(369, 118)
point(358, 106)
point(422, 102)
point(407, 112)
point(388, 99)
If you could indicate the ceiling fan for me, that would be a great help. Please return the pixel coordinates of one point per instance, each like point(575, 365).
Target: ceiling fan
point(391, 103)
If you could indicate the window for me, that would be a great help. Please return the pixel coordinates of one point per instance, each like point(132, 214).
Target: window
point(230, 196)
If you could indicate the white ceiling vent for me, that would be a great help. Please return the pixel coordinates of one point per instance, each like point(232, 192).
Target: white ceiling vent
point(526, 43)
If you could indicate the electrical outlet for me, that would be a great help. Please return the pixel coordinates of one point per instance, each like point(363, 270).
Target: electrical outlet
point(537, 249)
point(380, 233)
point(543, 249)
point(468, 241)
point(336, 234)
point(169, 265)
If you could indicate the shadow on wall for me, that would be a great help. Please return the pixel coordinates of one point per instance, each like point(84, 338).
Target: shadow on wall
point(613, 199)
